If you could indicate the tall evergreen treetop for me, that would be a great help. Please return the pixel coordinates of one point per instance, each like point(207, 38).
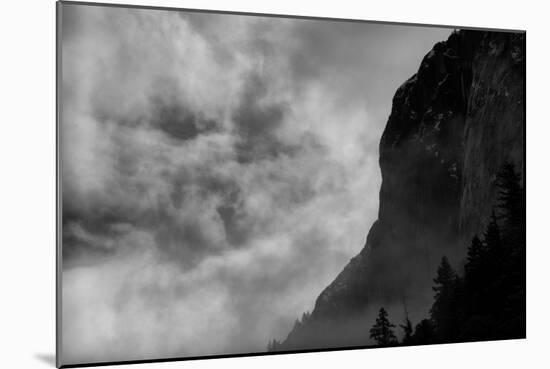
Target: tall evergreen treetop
point(474, 260)
point(382, 331)
point(475, 251)
point(445, 309)
point(445, 276)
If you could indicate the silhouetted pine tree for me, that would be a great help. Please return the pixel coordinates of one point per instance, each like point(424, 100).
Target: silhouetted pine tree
point(475, 258)
point(382, 331)
point(445, 309)
point(475, 291)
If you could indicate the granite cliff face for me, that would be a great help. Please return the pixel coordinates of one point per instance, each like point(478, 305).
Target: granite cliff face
point(452, 126)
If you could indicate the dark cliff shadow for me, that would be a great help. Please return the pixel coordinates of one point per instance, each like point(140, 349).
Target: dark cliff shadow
point(46, 358)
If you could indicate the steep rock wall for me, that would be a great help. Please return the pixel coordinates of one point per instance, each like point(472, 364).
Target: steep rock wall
point(452, 126)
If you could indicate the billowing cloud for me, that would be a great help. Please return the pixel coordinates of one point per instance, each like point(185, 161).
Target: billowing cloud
point(218, 171)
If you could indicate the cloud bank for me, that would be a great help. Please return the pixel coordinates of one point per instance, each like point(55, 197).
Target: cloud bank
point(218, 171)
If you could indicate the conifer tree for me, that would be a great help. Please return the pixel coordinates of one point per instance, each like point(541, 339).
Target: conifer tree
point(474, 259)
point(444, 311)
point(444, 279)
point(475, 275)
point(382, 331)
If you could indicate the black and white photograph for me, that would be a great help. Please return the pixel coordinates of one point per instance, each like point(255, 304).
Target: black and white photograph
point(243, 184)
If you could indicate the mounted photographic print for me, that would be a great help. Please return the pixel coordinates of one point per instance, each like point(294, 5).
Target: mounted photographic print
point(240, 184)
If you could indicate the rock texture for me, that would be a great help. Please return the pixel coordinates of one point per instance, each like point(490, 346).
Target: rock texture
point(452, 126)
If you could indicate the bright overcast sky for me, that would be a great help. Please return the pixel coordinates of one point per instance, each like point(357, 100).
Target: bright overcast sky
point(218, 172)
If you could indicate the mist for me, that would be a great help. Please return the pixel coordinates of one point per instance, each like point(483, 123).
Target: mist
point(218, 171)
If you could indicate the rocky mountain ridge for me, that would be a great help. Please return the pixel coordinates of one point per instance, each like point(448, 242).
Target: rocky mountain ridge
point(452, 126)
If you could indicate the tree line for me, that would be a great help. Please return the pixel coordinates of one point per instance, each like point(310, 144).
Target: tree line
point(487, 300)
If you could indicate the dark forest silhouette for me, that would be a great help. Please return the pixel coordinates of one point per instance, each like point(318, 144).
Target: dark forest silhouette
point(486, 302)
